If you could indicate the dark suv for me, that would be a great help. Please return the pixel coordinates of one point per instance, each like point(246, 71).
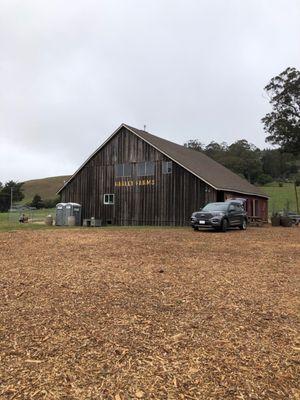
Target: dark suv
point(220, 216)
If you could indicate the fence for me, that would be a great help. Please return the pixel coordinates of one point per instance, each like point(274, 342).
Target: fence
point(16, 212)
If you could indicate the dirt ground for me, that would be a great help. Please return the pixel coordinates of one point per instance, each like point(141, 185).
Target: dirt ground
point(150, 314)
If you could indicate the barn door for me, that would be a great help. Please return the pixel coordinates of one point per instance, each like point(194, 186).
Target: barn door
point(255, 208)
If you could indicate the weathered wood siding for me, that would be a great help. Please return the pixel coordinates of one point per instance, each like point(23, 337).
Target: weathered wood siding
point(168, 200)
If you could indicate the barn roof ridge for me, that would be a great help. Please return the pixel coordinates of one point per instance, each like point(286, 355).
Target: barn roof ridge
point(196, 162)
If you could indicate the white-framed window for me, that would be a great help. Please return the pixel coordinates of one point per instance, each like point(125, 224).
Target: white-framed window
point(167, 167)
point(122, 170)
point(109, 198)
point(145, 168)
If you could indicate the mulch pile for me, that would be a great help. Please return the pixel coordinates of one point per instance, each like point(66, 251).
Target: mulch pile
point(149, 314)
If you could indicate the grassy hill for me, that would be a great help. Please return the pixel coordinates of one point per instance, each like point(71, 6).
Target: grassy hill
point(46, 187)
point(281, 197)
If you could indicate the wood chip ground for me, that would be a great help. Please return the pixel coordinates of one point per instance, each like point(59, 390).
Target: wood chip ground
point(149, 314)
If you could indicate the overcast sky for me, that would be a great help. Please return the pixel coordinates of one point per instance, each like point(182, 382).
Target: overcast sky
point(71, 71)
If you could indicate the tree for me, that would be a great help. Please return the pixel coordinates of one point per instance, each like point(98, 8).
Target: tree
point(5, 194)
point(244, 158)
point(51, 203)
point(18, 194)
point(4, 201)
point(282, 124)
point(194, 144)
point(278, 164)
point(37, 201)
point(216, 150)
point(263, 179)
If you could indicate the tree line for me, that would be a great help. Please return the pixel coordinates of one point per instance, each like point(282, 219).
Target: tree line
point(256, 165)
point(282, 127)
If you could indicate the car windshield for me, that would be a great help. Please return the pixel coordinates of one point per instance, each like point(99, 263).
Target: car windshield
point(215, 207)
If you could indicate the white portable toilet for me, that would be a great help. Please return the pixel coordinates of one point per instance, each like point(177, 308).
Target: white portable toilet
point(73, 210)
point(60, 214)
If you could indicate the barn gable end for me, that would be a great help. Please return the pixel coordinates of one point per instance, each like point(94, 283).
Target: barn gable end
point(153, 198)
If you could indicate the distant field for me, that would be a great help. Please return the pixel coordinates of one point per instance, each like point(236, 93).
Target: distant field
point(281, 197)
point(46, 187)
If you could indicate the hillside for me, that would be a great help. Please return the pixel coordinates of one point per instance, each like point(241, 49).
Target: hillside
point(46, 187)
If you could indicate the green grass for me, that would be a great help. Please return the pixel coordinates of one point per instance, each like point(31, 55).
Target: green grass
point(8, 224)
point(281, 197)
point(46, 187)
point(11, 223)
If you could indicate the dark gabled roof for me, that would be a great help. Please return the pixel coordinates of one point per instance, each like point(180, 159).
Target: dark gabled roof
point(196, 162)
point(204, 167)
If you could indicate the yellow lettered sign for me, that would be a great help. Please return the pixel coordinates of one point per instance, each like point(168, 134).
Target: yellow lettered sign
point(137, 182)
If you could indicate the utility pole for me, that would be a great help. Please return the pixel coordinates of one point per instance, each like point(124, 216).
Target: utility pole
point(296, 195)
point(11, 197)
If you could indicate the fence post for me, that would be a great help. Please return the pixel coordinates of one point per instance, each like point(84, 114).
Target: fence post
point(296, 194)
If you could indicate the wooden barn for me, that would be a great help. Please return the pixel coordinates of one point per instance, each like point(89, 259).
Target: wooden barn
point(136, 178)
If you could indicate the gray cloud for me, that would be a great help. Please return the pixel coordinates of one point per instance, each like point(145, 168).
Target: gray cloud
point(72, 71)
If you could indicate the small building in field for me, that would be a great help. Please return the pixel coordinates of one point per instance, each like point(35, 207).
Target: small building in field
point(136, 178)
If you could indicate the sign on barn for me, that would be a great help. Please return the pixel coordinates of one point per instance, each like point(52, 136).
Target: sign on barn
point(139, 182)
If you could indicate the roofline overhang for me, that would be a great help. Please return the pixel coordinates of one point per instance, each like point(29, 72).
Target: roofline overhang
point(90, 157)
point(247, 193)
point(163, 152)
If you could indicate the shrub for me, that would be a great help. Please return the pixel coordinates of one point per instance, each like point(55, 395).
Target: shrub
point(263, 179)
point(37, 202)
point(51, 203)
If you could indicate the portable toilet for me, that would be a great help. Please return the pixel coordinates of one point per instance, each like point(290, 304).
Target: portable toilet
point(60, 214)
point(73, 210)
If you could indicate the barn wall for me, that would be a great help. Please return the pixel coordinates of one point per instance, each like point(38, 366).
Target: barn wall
point(161, 199)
